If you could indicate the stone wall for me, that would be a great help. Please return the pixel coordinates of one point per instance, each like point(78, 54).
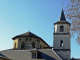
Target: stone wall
point(38, 42)
point(65, 39)
point(65, 54)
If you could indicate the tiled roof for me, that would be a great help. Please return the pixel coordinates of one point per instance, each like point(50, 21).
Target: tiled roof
point(47, 54)
point(30, 34)
point(27, 34)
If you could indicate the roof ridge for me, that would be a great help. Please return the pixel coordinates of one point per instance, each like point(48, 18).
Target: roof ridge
point(56, 54)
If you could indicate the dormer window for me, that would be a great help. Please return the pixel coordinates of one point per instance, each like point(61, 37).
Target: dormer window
point(34, 55)
point(61, 28)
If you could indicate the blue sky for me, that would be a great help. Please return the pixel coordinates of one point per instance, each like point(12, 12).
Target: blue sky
point(18, 16)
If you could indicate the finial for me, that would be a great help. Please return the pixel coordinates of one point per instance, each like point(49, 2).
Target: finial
point(62, 4)
point(29, 30)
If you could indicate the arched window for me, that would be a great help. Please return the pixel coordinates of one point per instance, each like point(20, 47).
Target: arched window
point(61, 43)
point(26, 39)
point(30, 39)
point(61, 28)
point(40, 47)
point(15, 45)
point(22, 45)
point(33, 44)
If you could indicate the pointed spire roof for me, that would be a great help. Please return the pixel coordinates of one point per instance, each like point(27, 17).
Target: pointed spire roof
point(62, 17)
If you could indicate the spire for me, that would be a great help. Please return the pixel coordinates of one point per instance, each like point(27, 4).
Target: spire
point(62, 17)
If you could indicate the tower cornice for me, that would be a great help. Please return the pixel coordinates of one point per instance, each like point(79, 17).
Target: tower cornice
point(61, 33)
point(62, 22)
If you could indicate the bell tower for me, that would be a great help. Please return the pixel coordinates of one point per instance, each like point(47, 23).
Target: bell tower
point(61, 44)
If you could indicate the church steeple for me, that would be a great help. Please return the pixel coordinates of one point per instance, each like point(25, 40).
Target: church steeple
point(62, 17)
point(62, 45)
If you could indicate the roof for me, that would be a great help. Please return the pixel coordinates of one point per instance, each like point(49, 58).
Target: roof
point(62, 17)
point(47, 54)
point(29, 34)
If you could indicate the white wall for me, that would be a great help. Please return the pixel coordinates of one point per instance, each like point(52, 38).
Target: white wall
point(66, 28)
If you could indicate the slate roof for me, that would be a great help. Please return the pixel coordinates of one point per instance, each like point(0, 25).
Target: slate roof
point(30, 34)
point(47, 54)
point(62, 19)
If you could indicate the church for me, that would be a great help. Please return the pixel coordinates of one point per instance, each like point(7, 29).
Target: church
point(29, 46)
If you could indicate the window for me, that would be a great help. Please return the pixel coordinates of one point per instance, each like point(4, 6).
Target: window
point(33, 55)
point(61, 28)
point(40, 47)
point(37, 40)
point(26, 39)
point(30, 39)
point(22, 45)
point(15, 45)
point(33, 44)
point(20, 39)
point(61, 43)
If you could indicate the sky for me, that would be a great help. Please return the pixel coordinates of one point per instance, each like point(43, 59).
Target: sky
point(38, 16)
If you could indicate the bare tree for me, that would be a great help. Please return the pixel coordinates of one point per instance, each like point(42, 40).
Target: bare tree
point(73, 13)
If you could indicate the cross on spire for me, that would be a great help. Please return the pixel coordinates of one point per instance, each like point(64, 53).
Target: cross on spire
point(29, 30)
point(62, 4)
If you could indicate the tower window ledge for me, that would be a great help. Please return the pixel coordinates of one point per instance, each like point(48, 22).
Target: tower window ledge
point(61, 33)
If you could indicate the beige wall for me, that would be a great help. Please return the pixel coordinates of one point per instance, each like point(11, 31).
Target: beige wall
point(43, 44)
point(28, 42)
point(15, 41)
